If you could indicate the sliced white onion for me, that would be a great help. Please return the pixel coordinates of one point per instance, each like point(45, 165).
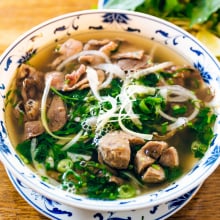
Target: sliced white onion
point(84, 53)
point(181, 95)
point(103, 119)
point(73, 141)
point(76, 157)
point(126, 104)
point(107, 82)
point(139, 73)
point(181, 121)
point(136, 134)
point(166, 116)
point(92, 77)
point(112, 68)
point(140, 89)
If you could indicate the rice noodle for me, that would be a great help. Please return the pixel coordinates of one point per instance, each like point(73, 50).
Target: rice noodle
point(83, 53)
point(44, 109)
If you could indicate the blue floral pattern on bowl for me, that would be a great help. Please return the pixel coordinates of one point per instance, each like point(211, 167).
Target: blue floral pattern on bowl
point(55, 210)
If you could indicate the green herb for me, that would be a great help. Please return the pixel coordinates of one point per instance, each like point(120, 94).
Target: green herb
point(173, 173)
point(126, 191)
point(24, 150)
point(199, 17)
point(203, 128)
point(179, 109)
point(113, 90)
point(92, 179)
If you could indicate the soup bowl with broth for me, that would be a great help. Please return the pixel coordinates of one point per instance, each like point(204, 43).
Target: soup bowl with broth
point(109, 110)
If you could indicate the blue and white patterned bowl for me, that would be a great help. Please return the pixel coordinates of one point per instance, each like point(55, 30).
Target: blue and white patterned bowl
point(150, 27)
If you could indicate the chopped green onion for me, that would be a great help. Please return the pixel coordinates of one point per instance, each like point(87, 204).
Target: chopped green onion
point(64, 165)
point(126, 191)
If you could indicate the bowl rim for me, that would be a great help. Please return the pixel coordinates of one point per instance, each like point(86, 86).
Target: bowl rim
point(113, 205)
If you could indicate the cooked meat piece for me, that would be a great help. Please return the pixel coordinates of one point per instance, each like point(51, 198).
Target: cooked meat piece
point(84, 86)
point(117, 180)
point(101, 76)
point(86, 59)
point(70, 47)
point(83, 82)
point(30, 82)
point(19, 111)
point(165, 136)
point(191, 79)
point(32, 129)
point(129, 55)
point(58, 79)
point(108, 48)
point(133, 140)
point(169, 157)
point(154, 175)
point(32, 109)
point(142, 161)
point(135, 64)
point(95, 44)
point(74, 77)
point(154, 149)
point(148, 154)
point(67, 49)
point(56, 114)
point(115, 150)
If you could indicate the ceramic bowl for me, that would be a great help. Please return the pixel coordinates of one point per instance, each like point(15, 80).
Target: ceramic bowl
point(147, 26)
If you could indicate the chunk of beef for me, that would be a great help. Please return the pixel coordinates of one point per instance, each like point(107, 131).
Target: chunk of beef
point(115, 150)
point(142, 161)
point(154, 175)
point(131, 138)
point(169, 157)
point(151, 152)
point(148, 154)
point(32, 129)
point(154, 149)
point(56, 114)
